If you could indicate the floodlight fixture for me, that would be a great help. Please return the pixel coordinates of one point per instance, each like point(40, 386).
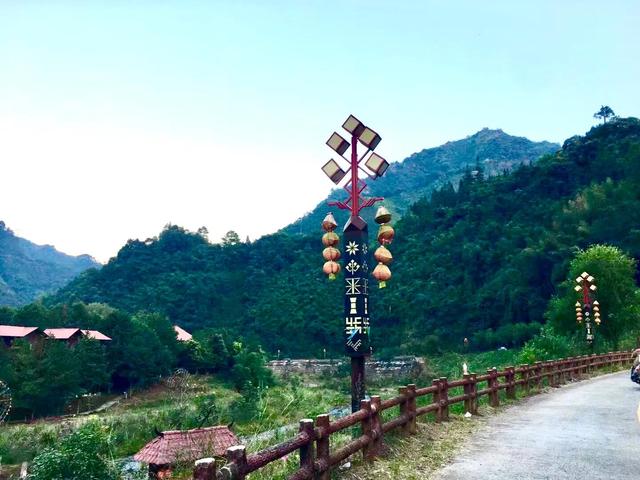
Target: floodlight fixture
point(590, 279)
point(337, 143)
point(377, 164)
point(577, 288)
point(333, 171)
point(369, 138)
point(579, 280)
point(354, 126)
point(584, 274)
point(593, 288)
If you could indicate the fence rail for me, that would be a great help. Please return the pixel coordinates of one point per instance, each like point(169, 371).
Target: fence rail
point(313, 439)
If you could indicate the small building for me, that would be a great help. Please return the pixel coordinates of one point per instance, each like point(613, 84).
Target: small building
point(178, 446)
point(73, 335)
point(10, 333)
point(69, 335)
point(182, 334)
point(96, 335)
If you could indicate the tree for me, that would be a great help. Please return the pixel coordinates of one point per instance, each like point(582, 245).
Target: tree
point(231, 238)
point(604, 113)
point(617, 293)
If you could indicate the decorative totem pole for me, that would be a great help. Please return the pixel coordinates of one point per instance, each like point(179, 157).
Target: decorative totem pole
point(355, 243)
point(586, 288)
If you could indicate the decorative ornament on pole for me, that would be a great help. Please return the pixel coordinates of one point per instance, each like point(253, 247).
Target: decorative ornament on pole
point(355, 240)
point(383, 256)
point(586, 287)
point(330, 239)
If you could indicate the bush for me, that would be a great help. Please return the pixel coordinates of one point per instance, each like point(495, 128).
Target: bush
point(82, 454)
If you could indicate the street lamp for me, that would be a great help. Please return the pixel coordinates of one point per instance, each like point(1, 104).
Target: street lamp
point(586, 287)
point(355, 242)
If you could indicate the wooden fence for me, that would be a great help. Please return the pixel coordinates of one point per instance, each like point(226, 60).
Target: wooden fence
point(313, 439)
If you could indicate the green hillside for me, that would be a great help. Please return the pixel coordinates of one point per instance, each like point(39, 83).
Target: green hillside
point(481, 261)
point(417, 176)
point(28, 270)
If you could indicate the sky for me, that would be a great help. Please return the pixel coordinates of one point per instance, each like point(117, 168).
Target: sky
point(119, 117)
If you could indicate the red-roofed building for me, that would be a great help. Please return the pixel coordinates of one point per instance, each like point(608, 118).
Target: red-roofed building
point(73, 335)
point(182, 334)
point(69, 335)
point(10, 333)
point(177, 446)
point(96, 335)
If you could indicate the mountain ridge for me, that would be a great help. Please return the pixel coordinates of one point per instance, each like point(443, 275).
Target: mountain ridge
point(420, 173)
point(28, 270)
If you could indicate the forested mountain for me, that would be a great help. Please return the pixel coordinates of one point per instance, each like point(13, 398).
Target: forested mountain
point(418, 175)
point(28, 270)
point(479, 261)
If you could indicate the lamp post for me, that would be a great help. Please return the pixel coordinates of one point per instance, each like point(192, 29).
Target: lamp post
point(586, 287)
point(356, 241)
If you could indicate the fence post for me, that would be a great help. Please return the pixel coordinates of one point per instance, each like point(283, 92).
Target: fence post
point(467, 392)
point(474, 394)
point(436, 399)
point(307, 452)
point(236, 463)
point(376, 424)
point(322, 445)
point(525, 377)
point(205, 469)
point(367, 429)
point(412, 408)
point(404, 407)
point(538, 371)
point(494, 399)
point(510, 378)
point(444, 398)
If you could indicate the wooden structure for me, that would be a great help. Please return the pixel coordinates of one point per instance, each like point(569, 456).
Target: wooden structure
point(177, 446)
point(313, 439)
point(11, 333)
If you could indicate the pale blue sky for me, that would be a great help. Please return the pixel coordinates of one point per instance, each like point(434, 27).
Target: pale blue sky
point(119, 117)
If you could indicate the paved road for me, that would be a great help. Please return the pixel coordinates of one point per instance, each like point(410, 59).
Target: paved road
point(588, 430)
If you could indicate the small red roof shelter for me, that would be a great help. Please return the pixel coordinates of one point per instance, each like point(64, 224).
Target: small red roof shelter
point(175, 446)
point(73, 335)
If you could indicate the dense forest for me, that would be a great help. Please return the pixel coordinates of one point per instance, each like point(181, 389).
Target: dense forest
point(28, 270)
point(478, 260)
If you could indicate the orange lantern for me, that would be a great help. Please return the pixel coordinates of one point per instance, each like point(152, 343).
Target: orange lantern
point(331, 253)
point(383, 255)
point(382, 274)
point(385, 234)
point(330, 239)
point(331, 269)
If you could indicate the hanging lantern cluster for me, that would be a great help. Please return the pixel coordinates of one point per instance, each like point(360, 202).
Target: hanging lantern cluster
point(383, 256)
point(596, 312)
point(330, 241)
point(578, 312)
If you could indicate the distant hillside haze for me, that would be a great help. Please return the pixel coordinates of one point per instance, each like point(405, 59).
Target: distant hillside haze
point(494, 151)
point(28, 271)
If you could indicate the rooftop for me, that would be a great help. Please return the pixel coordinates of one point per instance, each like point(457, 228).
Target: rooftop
point(15, 331)
point(183, 335)
point(187, 445)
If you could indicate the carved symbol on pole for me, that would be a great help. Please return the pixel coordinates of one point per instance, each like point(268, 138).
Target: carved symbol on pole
point(352, 248)
point(354, 309)
point(352, 267)
point(365, 249)
point(353, 286)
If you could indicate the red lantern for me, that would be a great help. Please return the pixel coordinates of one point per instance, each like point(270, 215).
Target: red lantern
point(331, 269)
point(383, 255)
point(331, 253)
point(330, 239)
point(382, 274)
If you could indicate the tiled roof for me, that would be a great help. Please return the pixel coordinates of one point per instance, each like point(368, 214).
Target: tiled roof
point(61, 333)
point(183, 335)
point(187, 445)
point(96, 335)
point(16, 332)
